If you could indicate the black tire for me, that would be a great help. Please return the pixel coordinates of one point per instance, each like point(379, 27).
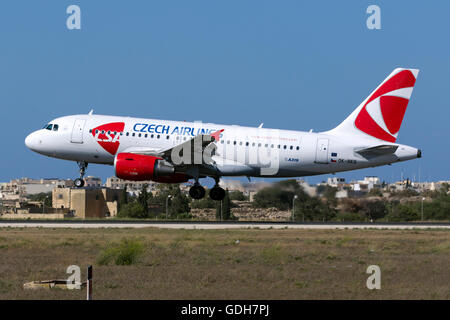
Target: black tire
point(78, 183)
point(197, 192)
point(217, 193)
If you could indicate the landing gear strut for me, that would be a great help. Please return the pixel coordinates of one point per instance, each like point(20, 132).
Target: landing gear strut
point(79, 182)
point(217, 193)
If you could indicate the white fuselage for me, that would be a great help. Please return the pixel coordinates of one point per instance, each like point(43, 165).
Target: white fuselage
point(241, 151)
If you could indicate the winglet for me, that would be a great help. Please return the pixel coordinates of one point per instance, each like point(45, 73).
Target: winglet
point(216, 135)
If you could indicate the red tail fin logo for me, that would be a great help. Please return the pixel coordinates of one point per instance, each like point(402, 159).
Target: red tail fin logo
point(382, 114)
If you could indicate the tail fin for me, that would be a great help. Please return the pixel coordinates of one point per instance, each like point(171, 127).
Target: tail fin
point(380, 115)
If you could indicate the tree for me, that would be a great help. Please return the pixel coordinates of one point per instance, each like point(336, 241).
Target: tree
point(313, 209)
point(204, 203)
point(403, 213)
point(238, 196)
point(143, 199)
point(179, 204)
point(45, 197)
point(223, 208)
point(374, 192)
point(123, 197)
point(132, 210)
point(374, 209)
point(280, 195)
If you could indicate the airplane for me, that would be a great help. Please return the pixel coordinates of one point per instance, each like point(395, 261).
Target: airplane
point(176, 152)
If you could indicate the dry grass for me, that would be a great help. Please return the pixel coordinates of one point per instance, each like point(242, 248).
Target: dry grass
point(209, 264)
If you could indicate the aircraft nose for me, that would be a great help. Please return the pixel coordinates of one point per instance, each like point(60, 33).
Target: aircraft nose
point(32, 141)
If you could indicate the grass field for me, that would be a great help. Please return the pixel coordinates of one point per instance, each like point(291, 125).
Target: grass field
point(211, 264)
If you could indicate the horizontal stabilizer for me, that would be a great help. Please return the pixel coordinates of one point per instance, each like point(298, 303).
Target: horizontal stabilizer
point(377, 151)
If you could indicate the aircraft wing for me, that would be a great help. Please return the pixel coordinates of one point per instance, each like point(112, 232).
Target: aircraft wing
point(145, 151)
point(377, 151)
point(197, 150)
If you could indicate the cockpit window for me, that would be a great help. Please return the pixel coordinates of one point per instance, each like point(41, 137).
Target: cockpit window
point(51, 126)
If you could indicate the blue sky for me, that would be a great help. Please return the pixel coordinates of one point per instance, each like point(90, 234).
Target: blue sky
point(290, 64)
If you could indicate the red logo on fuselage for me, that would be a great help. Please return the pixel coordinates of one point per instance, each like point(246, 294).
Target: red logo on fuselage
point(108, 135)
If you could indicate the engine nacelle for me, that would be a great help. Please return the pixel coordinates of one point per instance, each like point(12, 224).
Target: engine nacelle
point(138, 167)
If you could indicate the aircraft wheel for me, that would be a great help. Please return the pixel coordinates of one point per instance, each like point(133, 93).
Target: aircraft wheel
point(79, 183)
point(217, 193)
point(197, 192)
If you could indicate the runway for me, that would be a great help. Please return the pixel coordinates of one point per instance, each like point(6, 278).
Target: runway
point(203, 225)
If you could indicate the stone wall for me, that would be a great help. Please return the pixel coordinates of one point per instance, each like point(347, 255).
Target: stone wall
point(245, 212)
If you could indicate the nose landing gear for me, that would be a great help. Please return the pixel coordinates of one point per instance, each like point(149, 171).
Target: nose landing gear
point(79, 182)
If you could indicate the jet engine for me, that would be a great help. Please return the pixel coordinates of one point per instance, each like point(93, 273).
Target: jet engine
point(138, 167)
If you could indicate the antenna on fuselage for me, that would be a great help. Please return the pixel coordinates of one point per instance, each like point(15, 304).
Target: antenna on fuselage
point(91, 112)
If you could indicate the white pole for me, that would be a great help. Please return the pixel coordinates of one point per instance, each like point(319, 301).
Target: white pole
point(422, 207)
point(293, 206)
point(89, 284)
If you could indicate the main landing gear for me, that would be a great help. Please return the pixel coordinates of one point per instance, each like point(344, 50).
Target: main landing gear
point(79, 182)
point(198, 192)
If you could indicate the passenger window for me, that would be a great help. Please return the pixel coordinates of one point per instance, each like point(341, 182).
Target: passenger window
point(284, 147)
point(246, 144)
point(291, 147)
point(298, 147)
point(133, 134)
point(128, 134)
point(158, 136)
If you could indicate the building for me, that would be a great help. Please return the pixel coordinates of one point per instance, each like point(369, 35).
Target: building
point(87, 202)
point(336, 182)
point(92, 182)
point(132, 186)
point(27, 186)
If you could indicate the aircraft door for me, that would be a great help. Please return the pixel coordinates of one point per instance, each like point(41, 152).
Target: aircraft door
point(77, 131)
point(322, 150)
